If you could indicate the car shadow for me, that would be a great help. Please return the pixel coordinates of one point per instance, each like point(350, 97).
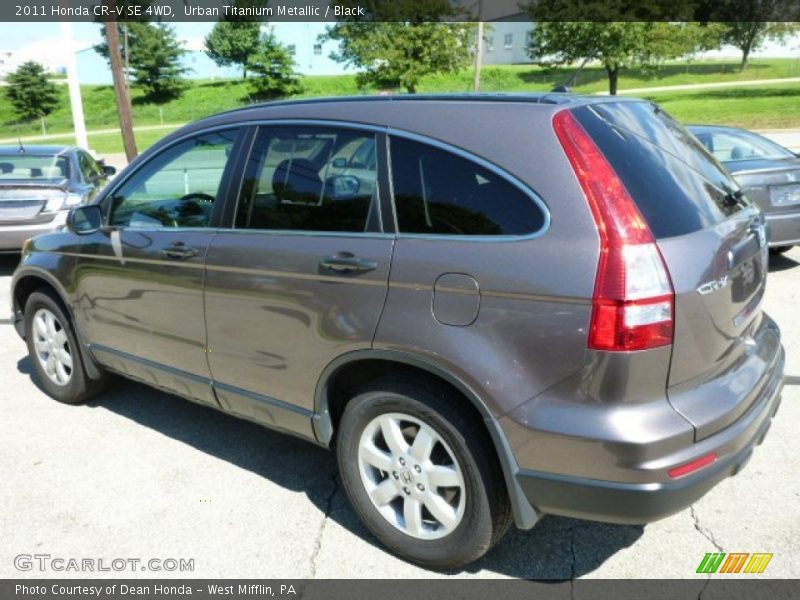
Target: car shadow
point(781, 262)
point(8, 262)
point(556, 549)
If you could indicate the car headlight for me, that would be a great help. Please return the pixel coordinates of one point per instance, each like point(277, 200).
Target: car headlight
point(63, 202)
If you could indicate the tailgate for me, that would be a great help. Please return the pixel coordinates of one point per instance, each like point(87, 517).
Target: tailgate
point(713, 241)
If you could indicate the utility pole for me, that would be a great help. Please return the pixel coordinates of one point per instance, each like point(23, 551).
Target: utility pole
point(75, 100)
point(127, 56)
point(479, 57)
point(122, 92)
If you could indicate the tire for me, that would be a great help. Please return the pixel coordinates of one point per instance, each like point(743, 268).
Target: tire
point(49, 334)
point(479, 513)
point(775, 250)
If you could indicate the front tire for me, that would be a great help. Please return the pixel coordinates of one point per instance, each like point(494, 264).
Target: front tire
point(54, 351)
point(421, 472)
point(776, 250)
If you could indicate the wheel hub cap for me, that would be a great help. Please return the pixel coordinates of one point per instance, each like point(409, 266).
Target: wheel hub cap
point(411, 476)
point(52, 347)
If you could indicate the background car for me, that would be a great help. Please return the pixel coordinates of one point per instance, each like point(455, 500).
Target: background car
point(38, 184)
point(768, 173)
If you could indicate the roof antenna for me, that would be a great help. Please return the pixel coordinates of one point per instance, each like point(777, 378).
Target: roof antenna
point(21, 147)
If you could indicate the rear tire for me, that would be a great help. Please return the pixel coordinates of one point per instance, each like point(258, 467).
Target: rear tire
point(55, 353)
point(437, 496)
point(776, 250)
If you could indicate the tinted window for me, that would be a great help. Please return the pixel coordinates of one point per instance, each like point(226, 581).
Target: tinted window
point(177, 188)
point(677, 185)
point(310, 179)
point(438, 192)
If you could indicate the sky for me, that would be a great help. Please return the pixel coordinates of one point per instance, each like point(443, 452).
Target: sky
point(43, 43)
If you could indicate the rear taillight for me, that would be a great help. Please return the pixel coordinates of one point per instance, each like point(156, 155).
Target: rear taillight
point(633, 302)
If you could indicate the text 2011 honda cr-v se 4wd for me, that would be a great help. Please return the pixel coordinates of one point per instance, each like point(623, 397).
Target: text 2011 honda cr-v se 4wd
point(493, 308)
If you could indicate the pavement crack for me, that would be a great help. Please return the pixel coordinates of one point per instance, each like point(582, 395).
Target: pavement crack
point(704, 531)
point(573, 562)
point(326, 515)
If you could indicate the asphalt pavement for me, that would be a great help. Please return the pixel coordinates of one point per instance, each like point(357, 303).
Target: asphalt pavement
point(139, 474)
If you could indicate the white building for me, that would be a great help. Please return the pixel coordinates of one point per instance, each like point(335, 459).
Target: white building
point(504, 42)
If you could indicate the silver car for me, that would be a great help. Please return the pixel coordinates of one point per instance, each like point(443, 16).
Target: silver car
point(768, 173)
point(38, 186)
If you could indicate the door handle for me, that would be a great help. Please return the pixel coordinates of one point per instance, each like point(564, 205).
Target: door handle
point(178, 251)
point(347, 263)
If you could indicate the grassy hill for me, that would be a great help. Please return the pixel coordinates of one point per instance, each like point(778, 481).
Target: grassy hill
point(776, 105)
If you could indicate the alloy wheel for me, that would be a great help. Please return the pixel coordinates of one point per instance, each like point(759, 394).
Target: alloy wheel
point(411, 476)
point(52, 347)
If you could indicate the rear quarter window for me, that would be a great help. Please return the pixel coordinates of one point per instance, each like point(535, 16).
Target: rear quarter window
point(439, 192)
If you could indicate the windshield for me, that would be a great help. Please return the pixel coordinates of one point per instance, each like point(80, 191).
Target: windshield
point(33, 168)
point(728, 145)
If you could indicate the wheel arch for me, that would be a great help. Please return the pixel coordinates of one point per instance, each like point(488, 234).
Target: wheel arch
point(361, 365)
point(31, 279)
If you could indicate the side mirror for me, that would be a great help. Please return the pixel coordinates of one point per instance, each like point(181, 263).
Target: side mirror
point(340, 163)
point(85, 219)
point(109, 170)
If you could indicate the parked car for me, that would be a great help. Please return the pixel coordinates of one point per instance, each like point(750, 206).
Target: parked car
point(768, 173)
point(39, 184)
point(538, 305)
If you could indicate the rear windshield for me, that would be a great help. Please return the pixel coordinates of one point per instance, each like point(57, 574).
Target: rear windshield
point(677, 184)
point(34, 168)
point(728, 145)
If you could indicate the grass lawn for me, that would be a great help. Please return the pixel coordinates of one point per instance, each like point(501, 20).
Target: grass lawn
point(769, 106)
point(765, 107)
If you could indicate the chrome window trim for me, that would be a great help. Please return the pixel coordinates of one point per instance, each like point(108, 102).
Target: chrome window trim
point(376, 129)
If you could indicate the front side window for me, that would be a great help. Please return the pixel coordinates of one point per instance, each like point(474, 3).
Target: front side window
point(310, 179)
point(439, 192)
point(89, 168)
point(178, 188)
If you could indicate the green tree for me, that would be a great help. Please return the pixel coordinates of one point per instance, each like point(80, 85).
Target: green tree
point(400, 41)
point(272, 67)
point(748, 36)
point(233, 42)
point(156, 63)
point(616, 45)
point(31, 93)
point(747, 24)
point(153, 55)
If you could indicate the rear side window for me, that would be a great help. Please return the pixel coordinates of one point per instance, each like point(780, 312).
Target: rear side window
point(439, 192)
point(310, 179)
point(676, 184)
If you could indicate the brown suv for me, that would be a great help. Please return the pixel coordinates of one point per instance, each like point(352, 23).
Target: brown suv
point(493, 308)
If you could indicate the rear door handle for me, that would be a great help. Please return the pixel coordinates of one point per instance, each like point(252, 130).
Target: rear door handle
point(346, 263)
point(178, 251)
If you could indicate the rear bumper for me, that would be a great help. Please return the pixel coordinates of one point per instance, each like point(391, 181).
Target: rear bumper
point(13, 236)
point(635, 503)
point(783, 228)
